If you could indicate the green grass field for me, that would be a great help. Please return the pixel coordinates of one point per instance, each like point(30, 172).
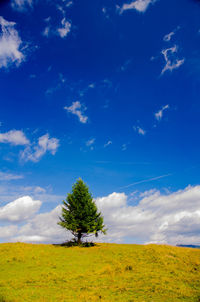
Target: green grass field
point(106, 272)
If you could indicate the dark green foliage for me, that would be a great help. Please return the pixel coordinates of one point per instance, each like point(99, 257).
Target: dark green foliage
point(79, 213)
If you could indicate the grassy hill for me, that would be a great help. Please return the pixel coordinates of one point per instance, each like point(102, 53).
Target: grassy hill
point(106, 272)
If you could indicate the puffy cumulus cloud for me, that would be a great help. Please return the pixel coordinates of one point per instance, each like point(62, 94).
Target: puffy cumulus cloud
point(44, 144)
point(172, 218)
point(159, 114)
point(112, 201)
point(139, 5)
point(171, 60)
point(43, 228)
point(20, 209)
point(10, 45)
point(21, 5)
point(77, 109)
point(14, 137)
point(8, 231)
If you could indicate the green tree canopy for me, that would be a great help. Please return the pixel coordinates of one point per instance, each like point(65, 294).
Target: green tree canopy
point(79, 213)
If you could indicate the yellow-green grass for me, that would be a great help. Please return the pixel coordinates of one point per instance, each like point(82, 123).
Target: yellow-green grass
point(106, 272)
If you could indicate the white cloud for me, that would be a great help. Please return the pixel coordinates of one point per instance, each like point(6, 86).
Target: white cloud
point(8, 231)
point(19, 210)
point(145, 180)
point(21, 5)
point(124, 147)
point(9, 193)
point(69, 4)
point(159, 114)
point(14, 137)
point(65, 28)
point(33, 151)
point(172, 62)
point(43, 228)
point(61, 30)
point(139, 130)
point(39, 190)
point(46, 31)
point(105, 12)
point(92, 85)
point(172, 218)
point(44, 144)
point(9, 176)
point(90, 142)
point(10, 45)
point(112, 201)
point(107, 144)
point(139, 5)
point(125, 65)
point(168, 37)
point(77, 109)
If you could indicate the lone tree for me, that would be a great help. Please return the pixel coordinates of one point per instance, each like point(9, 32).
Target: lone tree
point(79, 213)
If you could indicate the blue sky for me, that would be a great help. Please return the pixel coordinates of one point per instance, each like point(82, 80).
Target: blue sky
point(107, 91)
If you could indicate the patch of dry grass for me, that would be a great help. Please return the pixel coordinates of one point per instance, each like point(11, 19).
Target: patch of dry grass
point(106, 272)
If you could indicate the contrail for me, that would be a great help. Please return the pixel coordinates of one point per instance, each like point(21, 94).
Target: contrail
point(145, 180)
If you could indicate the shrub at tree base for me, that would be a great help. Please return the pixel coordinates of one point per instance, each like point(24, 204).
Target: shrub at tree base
point(75, 243)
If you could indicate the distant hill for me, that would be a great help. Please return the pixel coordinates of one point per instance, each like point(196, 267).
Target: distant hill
point(105, 272)
point(189, 245)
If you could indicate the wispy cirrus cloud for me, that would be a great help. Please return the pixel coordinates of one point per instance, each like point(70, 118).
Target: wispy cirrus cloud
point(171, 60)
point(78, 109)
point(11, 52)
point(90, 143)
point(124, 147)
point(6, 176)
point(168, 37)
point(139, 5)
point(159, 114)
point(146, 180)
point(139, 130)
point(108, 143)
point(21, 5)
point(62, 29)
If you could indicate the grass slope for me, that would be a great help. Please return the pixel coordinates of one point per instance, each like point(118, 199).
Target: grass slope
point(106, 272)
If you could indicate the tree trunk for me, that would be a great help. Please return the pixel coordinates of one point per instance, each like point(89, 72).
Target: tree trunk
point(79, 239)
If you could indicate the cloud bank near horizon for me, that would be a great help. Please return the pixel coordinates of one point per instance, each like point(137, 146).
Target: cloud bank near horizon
point(172, 218)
